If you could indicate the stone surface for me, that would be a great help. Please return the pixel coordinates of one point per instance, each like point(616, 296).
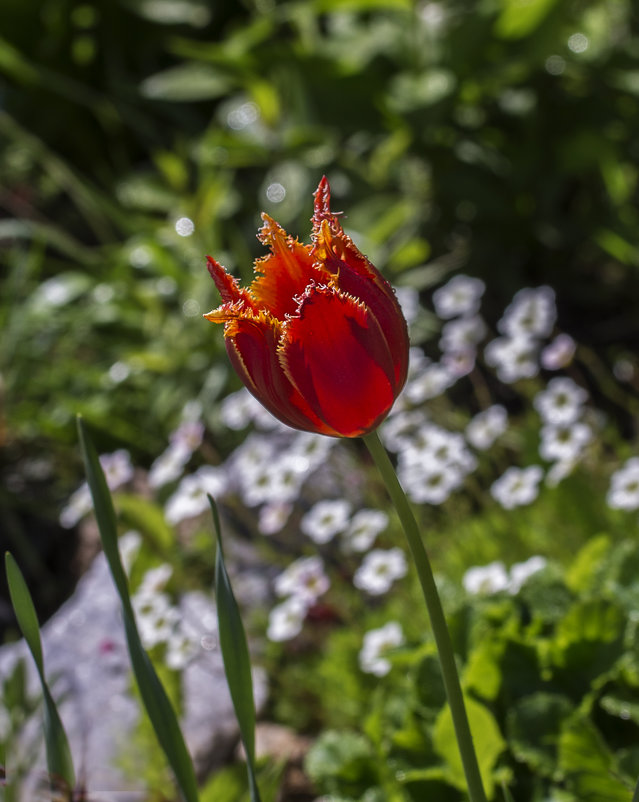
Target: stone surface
point(88, 669)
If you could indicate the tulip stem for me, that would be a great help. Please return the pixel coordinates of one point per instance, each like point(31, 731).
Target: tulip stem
point(436, 614)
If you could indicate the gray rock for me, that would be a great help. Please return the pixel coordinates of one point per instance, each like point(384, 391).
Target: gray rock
point(88, 668)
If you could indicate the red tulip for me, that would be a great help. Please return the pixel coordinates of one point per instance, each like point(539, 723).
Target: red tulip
point(319, 337)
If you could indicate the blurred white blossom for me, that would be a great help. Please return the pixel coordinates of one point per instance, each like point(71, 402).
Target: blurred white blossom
point(286, 619)
point(517, 487)
point(379, 569)
point(487, 426)
point(326, 519)
point(623, 493)
point(561, 403)
point(376, 645)
point(459, 296)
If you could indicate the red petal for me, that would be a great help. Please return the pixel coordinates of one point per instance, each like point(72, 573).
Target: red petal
point(287, 271)
point(227, 285)
point(251, 343)
point(356, 276)
point(336, 355)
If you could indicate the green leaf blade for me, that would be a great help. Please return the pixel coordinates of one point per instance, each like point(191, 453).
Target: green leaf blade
point(236, 657)
point(154, 697)
point(59, 760)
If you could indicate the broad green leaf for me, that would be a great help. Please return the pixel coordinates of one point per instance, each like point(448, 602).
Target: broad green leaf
point(235, 655)
point(533, 726)
point(588, 765)
point(586, 567)
point(488, 740)
point(154, 697)
point(145, 516)
point(520, 17)
point(59, 760)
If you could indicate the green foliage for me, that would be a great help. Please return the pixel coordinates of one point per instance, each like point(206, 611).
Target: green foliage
point(235, 654)
point(59, 760)
point(553, 700)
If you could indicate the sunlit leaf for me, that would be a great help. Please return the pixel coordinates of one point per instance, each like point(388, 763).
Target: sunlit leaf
point(487, 739)
point(186, 82)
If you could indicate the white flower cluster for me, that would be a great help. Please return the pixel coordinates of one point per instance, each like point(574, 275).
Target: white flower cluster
point(378, 643)
point(331, 517)
point(160, 622)
point(564, 434)
point(495, 577)
point(303, 582)
point(528, 320)
point(435, 463)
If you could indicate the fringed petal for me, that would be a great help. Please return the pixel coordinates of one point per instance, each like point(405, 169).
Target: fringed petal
point(285, 272)
point(356, 276)
point(251, 343)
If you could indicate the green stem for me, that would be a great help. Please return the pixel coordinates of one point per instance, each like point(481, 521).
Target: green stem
point(437, 619)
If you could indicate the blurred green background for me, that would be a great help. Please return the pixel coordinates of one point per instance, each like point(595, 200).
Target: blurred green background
point(499, 138)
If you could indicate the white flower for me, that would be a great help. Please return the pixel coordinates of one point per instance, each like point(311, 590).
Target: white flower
point(460, 296)
point(377, 643)
point(364, 527)
point(494, 577)
point(532, 313)
point(520, 572)
point(558, 353)
point(486, 427)
point(459, 363)
point(326, 519)
point(236, 410)
point(434, 464)
point(168, 466)
point(155, 579)
point(557, 472)
point(273, 516)
point(514, 358)
point(77, 507)
point(429, 383)
point(311, 450)
point(188, 436)
point(564, 443)
point(305, 579)
point(517, 486)
point(398, 429)
point(462, 335)
point(154, 615)
point(623, 493)
point(190, 499)
point(429, 484)
point(561, 402)
point(117, 468)
point(285, 621)
point(379, 569)
point(489, 578)
point(181, 647)
point(251, 466)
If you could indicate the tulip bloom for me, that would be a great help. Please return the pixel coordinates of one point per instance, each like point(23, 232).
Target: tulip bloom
point(319, 337)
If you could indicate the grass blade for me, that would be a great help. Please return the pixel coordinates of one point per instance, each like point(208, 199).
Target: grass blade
point(59, 760)
point(235, 655)
point(154, 697)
